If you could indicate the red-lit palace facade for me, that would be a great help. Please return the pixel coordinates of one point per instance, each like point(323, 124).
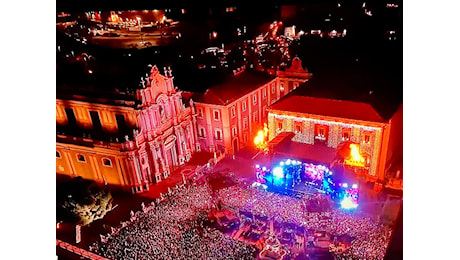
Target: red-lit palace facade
point(230, 114)
point(321, 122)
point(131, 141)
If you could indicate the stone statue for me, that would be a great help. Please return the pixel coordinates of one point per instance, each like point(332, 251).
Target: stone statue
point(142, 82)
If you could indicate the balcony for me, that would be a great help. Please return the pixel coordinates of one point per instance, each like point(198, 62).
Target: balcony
point(88, 142)
point(320, 137)
point(90, 137)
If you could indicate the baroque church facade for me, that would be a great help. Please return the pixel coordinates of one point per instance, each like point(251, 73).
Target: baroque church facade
point(167, 136)
point(142, 138)
point(159, 135)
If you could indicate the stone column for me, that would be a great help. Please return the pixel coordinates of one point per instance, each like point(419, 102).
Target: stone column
point(179, 140)
point(164, 162)
point(140, 119)
point(153, 151)
point(146, 117)
point(191, 136)
point(70, 163)
point(195, 133)
point(143, 97)
point(151, 117)
point(93, 162)
point(189, 140)
point(137, 173)
point(177, 104)
point(130, 173)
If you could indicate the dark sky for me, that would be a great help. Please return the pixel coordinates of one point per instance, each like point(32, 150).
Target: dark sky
point(364, 53)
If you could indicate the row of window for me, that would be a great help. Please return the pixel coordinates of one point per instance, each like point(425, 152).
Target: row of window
point(321, 132)
point(81, 158)
point(254, 115)
point(217, 133)
point(245, 126)
point(243, 105)
point(217, 114)
point(95, 119)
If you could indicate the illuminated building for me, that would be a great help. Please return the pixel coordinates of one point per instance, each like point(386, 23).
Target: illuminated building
point(167, 135)
point(230, 114)
point(90, 135)
point(131, 141)
point(114, 139)
point(321, 124)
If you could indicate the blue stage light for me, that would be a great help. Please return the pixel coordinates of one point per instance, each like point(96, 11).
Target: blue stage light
point(278, 172)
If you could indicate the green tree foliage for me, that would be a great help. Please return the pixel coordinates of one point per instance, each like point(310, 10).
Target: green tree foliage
point(82, 201)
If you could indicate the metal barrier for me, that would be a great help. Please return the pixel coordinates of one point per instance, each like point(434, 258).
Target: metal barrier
point(78, 251)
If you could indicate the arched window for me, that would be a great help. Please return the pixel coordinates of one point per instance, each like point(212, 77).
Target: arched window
point(107, 162)
point(81, 158)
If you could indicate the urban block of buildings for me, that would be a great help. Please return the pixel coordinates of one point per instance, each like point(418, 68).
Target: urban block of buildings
point(134, 140)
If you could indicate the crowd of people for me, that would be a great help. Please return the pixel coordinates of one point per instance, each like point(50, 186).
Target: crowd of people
point(371, 238)
point(175, 228)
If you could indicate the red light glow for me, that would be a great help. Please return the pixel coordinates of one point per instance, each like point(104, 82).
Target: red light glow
point(260, 141)
point(355, 156)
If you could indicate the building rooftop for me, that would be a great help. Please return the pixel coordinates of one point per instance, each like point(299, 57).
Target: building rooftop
point(233, 87)
point(96, 96)
point(328, 107)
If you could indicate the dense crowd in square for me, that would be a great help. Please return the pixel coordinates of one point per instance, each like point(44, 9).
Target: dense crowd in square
point(176, 228)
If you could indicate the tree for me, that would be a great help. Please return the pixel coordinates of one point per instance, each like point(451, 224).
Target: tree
point(82, 201)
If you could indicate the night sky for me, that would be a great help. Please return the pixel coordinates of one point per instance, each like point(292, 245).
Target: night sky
point(363, 61)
